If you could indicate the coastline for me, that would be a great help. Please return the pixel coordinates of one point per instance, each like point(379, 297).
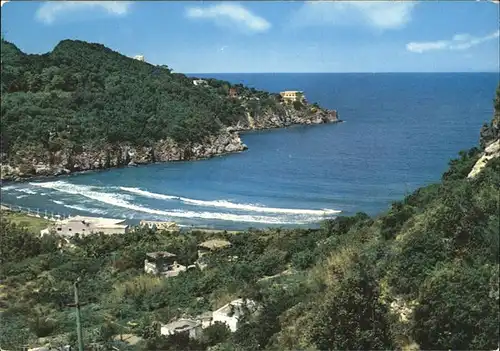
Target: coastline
point(236, 146)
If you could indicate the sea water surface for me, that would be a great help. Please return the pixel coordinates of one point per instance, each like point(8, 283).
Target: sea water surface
point(399, 133)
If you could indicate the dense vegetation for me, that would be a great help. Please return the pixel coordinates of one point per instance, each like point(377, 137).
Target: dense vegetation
point(83, 93)
point(423, 275)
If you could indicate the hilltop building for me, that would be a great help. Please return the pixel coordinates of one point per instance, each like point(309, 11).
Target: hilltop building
point(87, 225)
point(292, 96)
point(233, 93)
point(162, 263)
point(200, 82)
point(139, 58)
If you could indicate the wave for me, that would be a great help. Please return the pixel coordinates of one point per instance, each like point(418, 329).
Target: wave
point(21, 196)
point(8, 187)
point(26, 191)
point(79, 208)
point(115, 200)
point(86, 209)
point(231, 205)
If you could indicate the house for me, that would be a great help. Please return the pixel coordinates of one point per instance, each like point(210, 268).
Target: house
point(87, 225)
point(168, 226)
point(233, 93)
point(205, 319)
point(200, 82)
point(50, 348)
point(210, 246)
point(231, 312)
point(162, 263)
point(139, 58)
point(183, 325)
point(290, 96)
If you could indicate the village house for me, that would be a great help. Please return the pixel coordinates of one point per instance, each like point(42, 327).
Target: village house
point(191, 327)
point(205, 319)
point(207, 247)
point(233, 93)
point(87, 225)
point(232, 312)
point(200, 82)
point(162, 263)
point(291, 96)
point(168, 226)
point(139, 58)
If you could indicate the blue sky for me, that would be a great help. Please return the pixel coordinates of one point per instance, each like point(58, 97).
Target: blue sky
point(210, 37)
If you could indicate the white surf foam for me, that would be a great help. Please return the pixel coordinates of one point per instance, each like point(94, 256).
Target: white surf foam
point(86, 209)
point(27, 191)
point(115, 200)
point(57, 202)
point(231, 205)
point(21, 196)
point(8, 188)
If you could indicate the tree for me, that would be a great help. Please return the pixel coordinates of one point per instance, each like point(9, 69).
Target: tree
point(350, 316)
point(216, 334)
point(456, 310)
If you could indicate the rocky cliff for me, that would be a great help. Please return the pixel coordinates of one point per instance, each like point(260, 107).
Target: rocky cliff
point(35, 163)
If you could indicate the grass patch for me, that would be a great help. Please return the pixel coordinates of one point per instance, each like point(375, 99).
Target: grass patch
point(33, 224)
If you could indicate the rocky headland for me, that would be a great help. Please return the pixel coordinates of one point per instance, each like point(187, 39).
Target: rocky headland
point(43, 163)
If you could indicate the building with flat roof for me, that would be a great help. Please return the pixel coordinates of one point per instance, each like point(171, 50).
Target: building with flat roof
point(168, 226)
point(139, 57)
point(163, 263)
point(233, 93)
point(292, 96)
point(231, 312)
point(210, 246)
point(87, 225)
point(201, 82)
point(190, 327)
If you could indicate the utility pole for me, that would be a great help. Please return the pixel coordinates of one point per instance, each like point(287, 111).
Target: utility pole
point(77, 306)
point(78, 325)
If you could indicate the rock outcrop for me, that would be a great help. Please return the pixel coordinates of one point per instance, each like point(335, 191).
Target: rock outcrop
point(490, 152)
point(38, 164)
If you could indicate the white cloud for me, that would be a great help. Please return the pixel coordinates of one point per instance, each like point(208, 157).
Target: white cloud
point(381, 15)
point(50, 10)
point(230, 14)
point(458, 42)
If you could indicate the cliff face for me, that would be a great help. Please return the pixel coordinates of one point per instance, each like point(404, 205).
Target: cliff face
point(84, 106)
point(289, 117)
point(44, 163)
point(489, 140)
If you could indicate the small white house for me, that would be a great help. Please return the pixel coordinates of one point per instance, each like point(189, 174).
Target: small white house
point(139, 57)
point(183, 325)
point(205, 319)
point(87, 225)
point(200, 82)
point(231, 312)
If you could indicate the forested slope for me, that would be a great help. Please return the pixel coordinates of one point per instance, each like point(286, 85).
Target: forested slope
point(424, 275)
point(83, 106)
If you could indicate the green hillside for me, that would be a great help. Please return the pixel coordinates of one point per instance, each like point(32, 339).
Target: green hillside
point(424, 275)
point(81, 94)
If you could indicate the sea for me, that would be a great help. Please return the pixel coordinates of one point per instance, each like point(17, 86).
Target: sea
point(399, 132)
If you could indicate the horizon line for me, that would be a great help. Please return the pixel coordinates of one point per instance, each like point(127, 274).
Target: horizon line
point(397, 72)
